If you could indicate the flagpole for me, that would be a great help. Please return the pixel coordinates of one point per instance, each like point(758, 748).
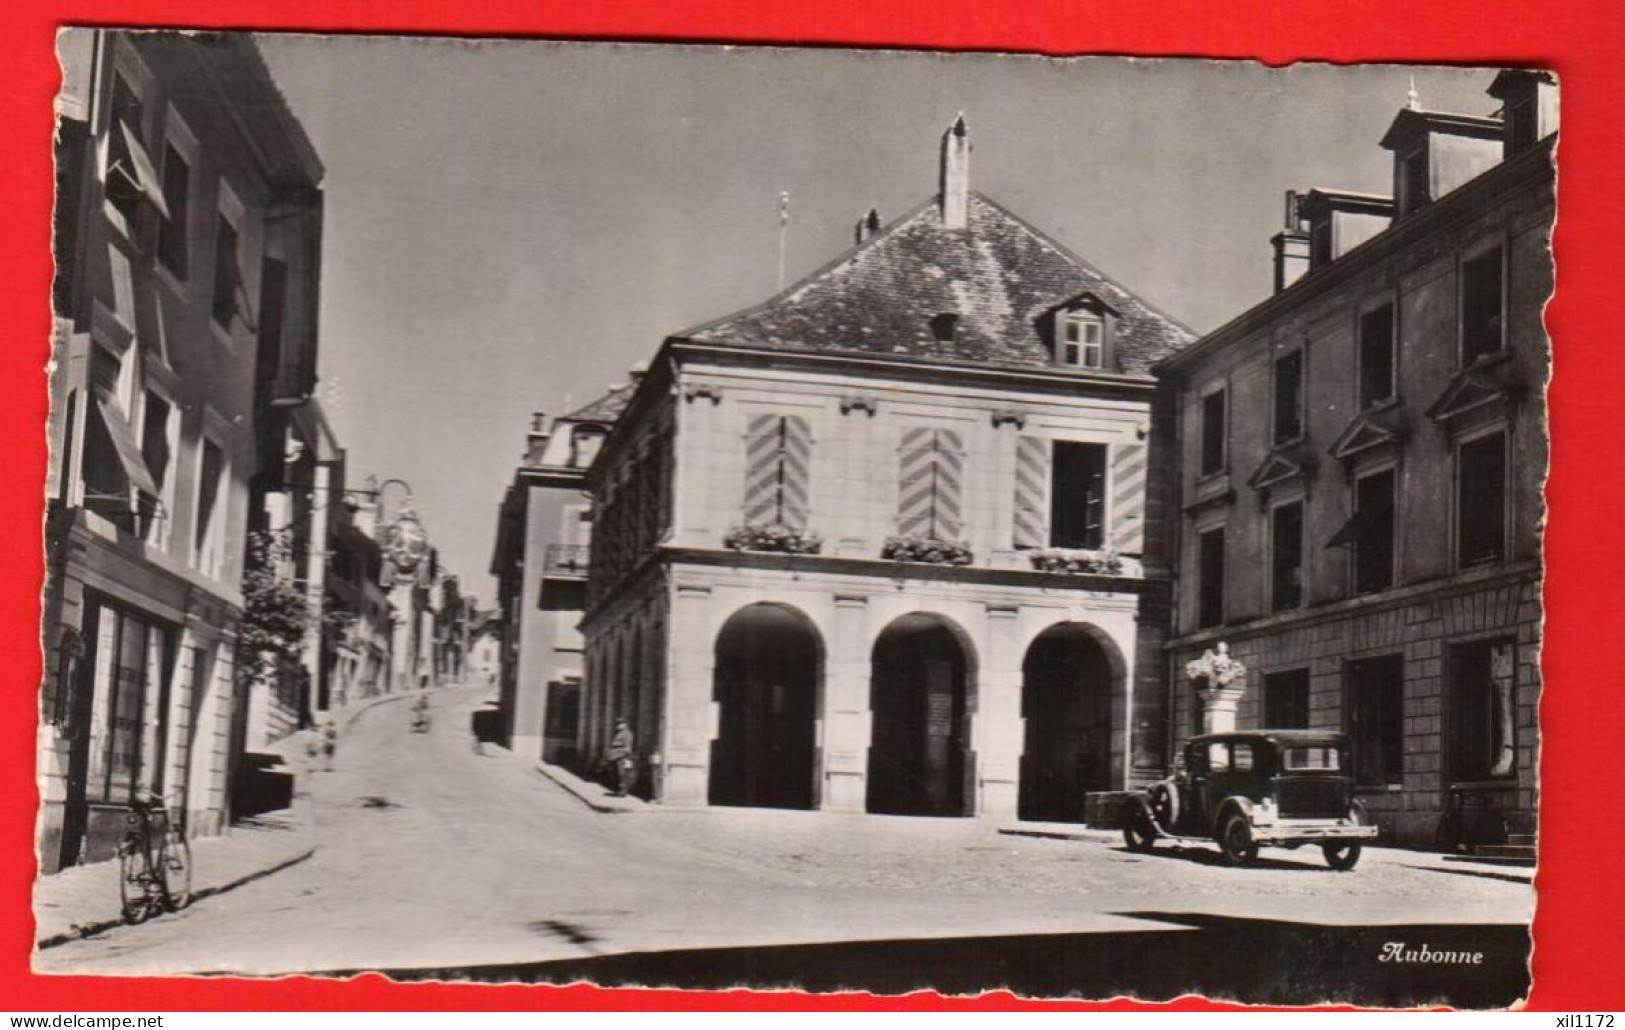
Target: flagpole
point(784, 231)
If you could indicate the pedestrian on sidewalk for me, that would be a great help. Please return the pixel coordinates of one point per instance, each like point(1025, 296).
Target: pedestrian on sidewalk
point(623, 756)
point(330, 744)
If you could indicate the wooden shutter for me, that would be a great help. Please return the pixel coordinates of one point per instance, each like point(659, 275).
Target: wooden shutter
point(762, 445)
point(1031, 526)
point(931, 470)
point(778, 471)
point(916, 475)
point(1127, 529)
point(795, 473)
point(950, 518)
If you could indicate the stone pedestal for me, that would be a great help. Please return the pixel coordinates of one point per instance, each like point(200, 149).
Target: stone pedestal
point(1219, 708)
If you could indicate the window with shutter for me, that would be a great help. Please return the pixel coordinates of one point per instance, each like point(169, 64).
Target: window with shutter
point(778, 471)
point(930, 494)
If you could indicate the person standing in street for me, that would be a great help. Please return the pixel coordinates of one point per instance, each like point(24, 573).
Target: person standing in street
point(330, 743)
point(623, 756)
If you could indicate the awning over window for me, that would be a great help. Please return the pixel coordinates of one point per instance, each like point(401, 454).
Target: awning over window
point(129, 451)
point(1360, 524)
point(144, 175)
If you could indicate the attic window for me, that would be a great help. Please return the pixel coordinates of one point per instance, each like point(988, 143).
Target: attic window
point(945, 327)
point(1414, 191)
point(1082, 340)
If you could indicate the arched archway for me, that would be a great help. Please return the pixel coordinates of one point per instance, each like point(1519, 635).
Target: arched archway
point(769, 664)
point(920, 758)
point(1066, 700)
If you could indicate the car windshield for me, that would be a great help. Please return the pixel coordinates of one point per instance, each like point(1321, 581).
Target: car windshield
point(1300, 758)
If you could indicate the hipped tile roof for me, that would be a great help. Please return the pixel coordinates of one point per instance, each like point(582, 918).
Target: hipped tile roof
point(606, 409)
point(1000, 275)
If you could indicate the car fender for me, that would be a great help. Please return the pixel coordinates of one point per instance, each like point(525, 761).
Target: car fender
point(1235, 803)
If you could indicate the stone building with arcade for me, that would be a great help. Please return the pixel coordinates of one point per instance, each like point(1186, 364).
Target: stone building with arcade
point(1362, 456)
point(891, 541)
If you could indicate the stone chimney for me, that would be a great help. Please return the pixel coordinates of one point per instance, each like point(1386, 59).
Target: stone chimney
point(954, 198)
point(867, 228)
point(1291, 244)
point(536, 439)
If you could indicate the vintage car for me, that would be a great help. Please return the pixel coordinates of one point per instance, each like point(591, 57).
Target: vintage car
point(1251, 788)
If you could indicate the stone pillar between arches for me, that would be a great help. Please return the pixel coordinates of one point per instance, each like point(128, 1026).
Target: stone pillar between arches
point(691, 721)
point(1000, 727)
point(844, 748)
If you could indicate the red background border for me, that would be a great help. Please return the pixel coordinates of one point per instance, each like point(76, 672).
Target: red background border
point(1580, 926)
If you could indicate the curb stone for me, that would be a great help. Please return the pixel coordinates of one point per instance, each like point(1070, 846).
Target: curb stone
point(590, 794)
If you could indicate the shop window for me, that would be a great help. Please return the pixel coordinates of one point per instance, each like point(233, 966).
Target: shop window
point(1078, 495)
point(1286, 556)
point(1210, 578)
point(1482, 303)
point(1481, 516)
point(1376, 356)
point(1289, 396)
point(1213, 432)
point(131, 659)
point(1483, 724)
point(1375, 700)
point(1286, 700)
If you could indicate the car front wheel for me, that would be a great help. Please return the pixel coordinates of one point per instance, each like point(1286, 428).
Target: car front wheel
point(1236, 840)
point(1341, 856)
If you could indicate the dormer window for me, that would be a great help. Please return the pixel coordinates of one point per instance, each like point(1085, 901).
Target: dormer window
point(1083, 340)
point(1413, 180)
point(945, 327)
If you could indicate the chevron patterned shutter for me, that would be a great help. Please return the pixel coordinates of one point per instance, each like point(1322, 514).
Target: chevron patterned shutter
point(916, 481)
point(930, 497)
point(1031, 527)
point(778, 471)
point(795, 473)
point(762, 445)
point(1127, 529)
point(950, 518)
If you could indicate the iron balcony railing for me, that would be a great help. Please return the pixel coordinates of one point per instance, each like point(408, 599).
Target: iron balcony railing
point(566, 560)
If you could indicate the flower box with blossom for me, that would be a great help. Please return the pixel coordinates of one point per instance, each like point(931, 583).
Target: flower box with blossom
point(1077, 560)
point(930, 550)
point(774, 538)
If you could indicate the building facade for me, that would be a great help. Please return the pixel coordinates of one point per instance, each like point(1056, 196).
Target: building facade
point(188, 227)
point(1362, 457)
point(893, 540)
point(544, 533)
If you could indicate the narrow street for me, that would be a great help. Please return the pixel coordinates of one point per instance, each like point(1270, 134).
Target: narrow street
point(432, 856)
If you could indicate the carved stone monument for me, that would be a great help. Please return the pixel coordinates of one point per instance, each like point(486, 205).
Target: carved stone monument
point(1220, 681)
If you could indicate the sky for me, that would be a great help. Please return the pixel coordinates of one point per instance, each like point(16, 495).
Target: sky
point(511, 225)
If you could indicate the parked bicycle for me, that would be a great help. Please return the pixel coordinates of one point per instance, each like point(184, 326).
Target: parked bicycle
point(155, 861)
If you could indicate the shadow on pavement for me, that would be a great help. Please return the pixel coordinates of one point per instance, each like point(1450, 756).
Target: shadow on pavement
point(1247, 960)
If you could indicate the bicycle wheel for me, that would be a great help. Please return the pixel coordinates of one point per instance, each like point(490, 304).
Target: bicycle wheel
point(132, 880)
point(177, 870)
